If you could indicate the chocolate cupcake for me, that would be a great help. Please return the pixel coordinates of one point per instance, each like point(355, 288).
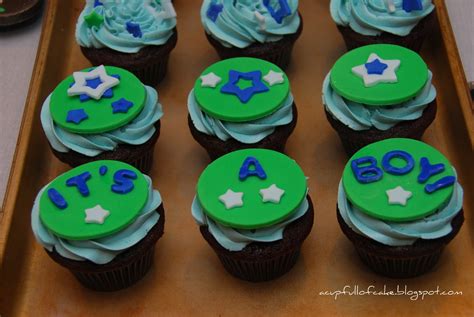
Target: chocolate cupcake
point(254, 216)
point(377, 92)
point(104, 113)
point(400, 22)
point(400, 204)
point(14, 13)
point(260, 29)
point(101, 221)
point(241, 103)
point(135, 35)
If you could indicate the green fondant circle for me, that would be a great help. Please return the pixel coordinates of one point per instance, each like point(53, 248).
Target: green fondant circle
point(101, 117)
point(412, 76)
point(372, 198)
point(228, 107)
point(69, 223)
point(223, 174)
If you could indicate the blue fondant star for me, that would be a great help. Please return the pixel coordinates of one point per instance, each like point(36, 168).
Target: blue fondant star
point(214, 10)
point(244, 94)
point(134, 29)
point(122, 105)
point(76, 116)
point(97, 3)
point(94, 83)
point(375, 67)
point(412, 5)
point(279, 14)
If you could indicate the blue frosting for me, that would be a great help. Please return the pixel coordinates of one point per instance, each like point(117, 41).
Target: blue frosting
point(362, 117)
point(138, 131)
point(372, 17)
point(237, 239)
point(103, 250)
point(155, 25)
point(237, 24)
point(249, 132)
point(434, 226)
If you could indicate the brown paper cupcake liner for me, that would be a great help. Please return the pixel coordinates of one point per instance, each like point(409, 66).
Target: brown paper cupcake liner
point(264, 261)
point(217, 148)
point(139, 156)
point(353, 140)
point(413, 41)
point(150, 64)
point(402, 261)
point(278, 53)
point(124, 270)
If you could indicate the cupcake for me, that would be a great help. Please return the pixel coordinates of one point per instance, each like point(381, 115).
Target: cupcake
point(137, 35)
point(104, 113)
point(401, 22)
point(19, 13)
point(378, 92)
point(254, 216)
point(100, 221)
point(241, 103)
point(262, 29)
point(400, 204)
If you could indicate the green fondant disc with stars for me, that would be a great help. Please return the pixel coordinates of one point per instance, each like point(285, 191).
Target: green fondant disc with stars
point(373, 199)
point(411, 75)
point(120, 209)
point(229, 107)
point(100, 113)
point(223, 175)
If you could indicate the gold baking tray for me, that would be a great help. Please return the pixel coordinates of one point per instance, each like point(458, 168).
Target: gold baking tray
point(187, 278)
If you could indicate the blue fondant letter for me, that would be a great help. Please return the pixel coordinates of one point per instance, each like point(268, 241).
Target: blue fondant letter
point(257, 171)
point(389, 168)
point(80, 181)
point(368, 173)
point(123, 183)
point(428, 170)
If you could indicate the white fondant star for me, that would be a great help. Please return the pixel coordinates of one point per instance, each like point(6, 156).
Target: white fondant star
point(390, 6)
point(398, 196)
point(210, 80)
point(231, 199)
point(274, 78)
point(96, 214)
point(80, 83)
point(261, 21)
point(272, 194)
point(388, 76)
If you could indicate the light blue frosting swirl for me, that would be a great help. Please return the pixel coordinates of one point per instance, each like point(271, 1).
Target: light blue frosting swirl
point(113, 33)
point(434, 226)
point(103, 250)
point(359, 117)
point(372, 17)
point(237, 24)
point(237, 239)
point(249, 132)
point(138, 131)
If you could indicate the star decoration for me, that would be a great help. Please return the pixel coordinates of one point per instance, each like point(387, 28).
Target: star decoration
point(93, 83)
point(398, 196)
point(231, 199)
point(97, 3)
point(388, 75)
point(214, 10)
point(412, 5)
point(210, 80)
point(274, 78)
point(96, 214)
point(76, 116)
point(80, 83)
point(272, 194)
point(261, 21)
point(134, 29)
point(279, 14)
point(244, 94)
point(375, 67)
point(94, 19)
point(122, 105)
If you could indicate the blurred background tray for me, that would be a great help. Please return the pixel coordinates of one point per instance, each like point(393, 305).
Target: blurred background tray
point(187, 277)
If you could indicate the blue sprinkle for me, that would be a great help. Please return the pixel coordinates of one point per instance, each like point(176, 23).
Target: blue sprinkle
point(375, 67)
point(257, 171)
point(412, 5)
point(442, 183)
point(103, 170)
point(214, 10)
point(76, 116)
point(97, 3)
point(57, 199)
point(279, 14)
point(134, 29)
